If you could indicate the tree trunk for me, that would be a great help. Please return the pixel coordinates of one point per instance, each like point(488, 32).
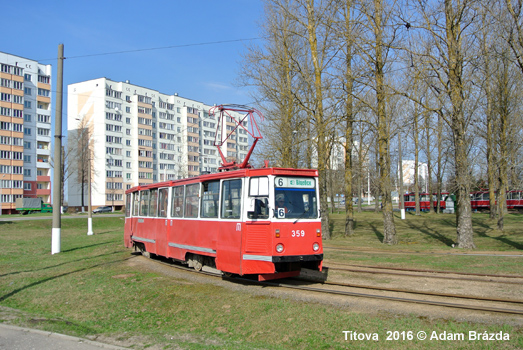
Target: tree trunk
point(389, 229)
point(349, 119)
point(416, 163)
point(458, 126)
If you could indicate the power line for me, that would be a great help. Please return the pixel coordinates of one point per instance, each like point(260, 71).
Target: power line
point(156, 48)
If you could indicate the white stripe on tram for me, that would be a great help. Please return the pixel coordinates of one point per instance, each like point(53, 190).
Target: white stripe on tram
point(190, 247)
point(143, 239)
point(257, 257)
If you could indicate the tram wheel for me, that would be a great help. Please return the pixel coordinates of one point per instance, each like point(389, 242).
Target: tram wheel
point(142, 250)
point(198, 266)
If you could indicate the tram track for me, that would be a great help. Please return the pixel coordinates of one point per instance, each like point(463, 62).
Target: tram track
point(411, 291)
point(297, 284)
point(400, 299)
point(428, 274)
point(402, 252)
point(429, 271)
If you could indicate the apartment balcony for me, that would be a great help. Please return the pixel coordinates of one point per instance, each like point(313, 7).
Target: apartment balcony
point(43, 163)
point(43, 148)
point(43, 192)
point(43, 178)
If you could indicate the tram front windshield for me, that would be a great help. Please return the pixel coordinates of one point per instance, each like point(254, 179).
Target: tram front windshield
point(295, 198)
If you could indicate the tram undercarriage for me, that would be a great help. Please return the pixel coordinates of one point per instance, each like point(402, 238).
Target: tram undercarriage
point(291, 266)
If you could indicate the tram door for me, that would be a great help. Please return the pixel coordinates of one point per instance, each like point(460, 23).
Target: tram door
point(128, 229)
point(231, 227)
point(162, 224)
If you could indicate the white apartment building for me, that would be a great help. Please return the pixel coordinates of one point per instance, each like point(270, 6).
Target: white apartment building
point(408, 168)
point(25, 130)
point(139, 136)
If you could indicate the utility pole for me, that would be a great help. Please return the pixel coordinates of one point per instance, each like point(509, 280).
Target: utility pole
point(57, 191)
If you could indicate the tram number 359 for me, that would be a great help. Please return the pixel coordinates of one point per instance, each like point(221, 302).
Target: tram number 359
point(298, 233)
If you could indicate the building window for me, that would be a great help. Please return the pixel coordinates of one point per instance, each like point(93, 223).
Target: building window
point(43, 92)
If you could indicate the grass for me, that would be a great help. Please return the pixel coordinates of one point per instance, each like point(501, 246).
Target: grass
point(90, 290)
point(434, 234)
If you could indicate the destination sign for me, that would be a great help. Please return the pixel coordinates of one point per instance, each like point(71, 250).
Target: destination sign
point(294, 182)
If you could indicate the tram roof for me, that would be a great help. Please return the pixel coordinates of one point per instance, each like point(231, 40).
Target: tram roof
point(229, 175)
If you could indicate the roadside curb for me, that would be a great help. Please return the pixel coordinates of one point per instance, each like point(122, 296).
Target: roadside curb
point(59, 336)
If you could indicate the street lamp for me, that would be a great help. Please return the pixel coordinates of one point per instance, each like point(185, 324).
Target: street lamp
point(400, 170)
point(89, 194)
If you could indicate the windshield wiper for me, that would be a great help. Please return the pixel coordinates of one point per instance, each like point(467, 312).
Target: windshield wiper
point(301, 216)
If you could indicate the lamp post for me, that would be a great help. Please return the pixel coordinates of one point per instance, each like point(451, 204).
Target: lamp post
point(89, 166)
point(400, 170)
point(368, 185)
point(89, 204)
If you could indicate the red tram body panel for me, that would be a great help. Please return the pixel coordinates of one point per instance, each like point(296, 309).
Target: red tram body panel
point(261, 222)
point(480, 200)
point(515, 199)
point(427, 202)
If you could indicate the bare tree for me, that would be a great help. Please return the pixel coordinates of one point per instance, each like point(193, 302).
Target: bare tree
point(448, 26)
point(272, 70)
point(80, 151)
point(347, 36)
point(377, 49)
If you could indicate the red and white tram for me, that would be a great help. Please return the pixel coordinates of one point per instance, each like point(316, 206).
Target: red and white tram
point(262, 222)
point(480, 200)
point(231, 221)
point(427, 202)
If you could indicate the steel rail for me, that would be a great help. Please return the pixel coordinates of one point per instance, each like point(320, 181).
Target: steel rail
point(400, 299)
point(346, 293)
point(420, 253)
point(447, 295)
point(431, 271)
point(428, 276)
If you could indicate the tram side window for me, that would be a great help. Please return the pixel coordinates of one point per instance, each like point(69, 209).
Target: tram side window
point(259, 188)
point(128, 205)
point(231, 199)
point(177, 202)
point(191, 201)
point(153, 203)
point(136, 203)
point(144, 203)
point(163, 197)
point(210, 199)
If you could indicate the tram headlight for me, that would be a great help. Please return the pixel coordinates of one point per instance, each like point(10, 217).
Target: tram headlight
point(279, 247)
point(315, 247)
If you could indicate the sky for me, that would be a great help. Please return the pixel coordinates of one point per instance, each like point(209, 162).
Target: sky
point(190, 47)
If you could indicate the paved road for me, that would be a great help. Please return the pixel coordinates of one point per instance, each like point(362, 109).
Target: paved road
point(16, 338)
